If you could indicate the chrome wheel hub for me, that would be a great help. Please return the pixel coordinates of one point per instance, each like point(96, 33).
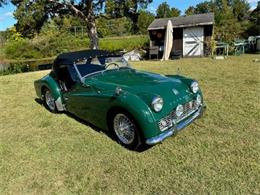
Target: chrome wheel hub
point(50, 100)
point(124, 129)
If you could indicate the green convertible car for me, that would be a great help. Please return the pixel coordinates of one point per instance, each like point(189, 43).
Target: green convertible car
point(137, 107)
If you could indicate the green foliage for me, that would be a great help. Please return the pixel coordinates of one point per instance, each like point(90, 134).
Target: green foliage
point(21, 49)
point(175, 12)
point(240, 9)
point(164, 11)
point(51, 43)
point(113, 27)
point(254, 26)
point(230, 17)
point(126, 8)
point(190, 11)
point(15, 68)
point(30, 16)
point(144, 20)
point(127, 43)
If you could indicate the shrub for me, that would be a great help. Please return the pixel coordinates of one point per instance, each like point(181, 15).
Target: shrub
point(21, 49)
point(52, 44)
point(127, 43)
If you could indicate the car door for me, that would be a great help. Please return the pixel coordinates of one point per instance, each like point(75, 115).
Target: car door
point(88, 103)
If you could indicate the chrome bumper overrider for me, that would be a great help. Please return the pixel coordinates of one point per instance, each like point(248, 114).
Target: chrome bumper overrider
point(176, 127)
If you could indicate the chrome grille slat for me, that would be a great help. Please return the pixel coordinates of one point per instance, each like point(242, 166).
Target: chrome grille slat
point(188, 108)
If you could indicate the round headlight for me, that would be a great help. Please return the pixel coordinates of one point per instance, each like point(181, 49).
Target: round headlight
point(199, 100)
point(179, 110)
point(157, 104)
point(194, 87)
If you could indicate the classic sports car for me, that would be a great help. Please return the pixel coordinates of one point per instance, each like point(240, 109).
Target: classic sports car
point(138, 107)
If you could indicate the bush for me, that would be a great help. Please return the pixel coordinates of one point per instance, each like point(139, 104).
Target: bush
point(24, 66)
point(52, 44)
point(127, 43)
point(21, 49)
point(14, 68)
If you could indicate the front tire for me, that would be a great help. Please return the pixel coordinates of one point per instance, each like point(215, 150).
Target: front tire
point(126, 130)
point(49, 101)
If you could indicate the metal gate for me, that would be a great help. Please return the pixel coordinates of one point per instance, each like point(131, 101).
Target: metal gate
point(193, 41)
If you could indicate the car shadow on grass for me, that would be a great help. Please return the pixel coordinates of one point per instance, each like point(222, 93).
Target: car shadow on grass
point(95, 128)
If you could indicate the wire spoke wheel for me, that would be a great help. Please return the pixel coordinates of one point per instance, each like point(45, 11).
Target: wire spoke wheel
point(50, 102)
point(124, 129)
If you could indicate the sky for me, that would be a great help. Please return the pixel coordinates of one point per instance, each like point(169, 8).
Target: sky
point(7, 20)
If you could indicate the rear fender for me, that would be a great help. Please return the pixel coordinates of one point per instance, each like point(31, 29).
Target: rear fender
point(49, 82)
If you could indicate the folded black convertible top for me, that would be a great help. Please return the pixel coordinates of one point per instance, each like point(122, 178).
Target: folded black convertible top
point(73, 57)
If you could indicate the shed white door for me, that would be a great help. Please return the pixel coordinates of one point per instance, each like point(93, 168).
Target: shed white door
point(193, 41)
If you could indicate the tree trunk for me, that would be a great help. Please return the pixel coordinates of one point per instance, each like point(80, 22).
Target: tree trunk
point(89, 18)
point(91, 26)
point(92, 33)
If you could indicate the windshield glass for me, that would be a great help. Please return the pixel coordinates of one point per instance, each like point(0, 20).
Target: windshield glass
point(96, 65)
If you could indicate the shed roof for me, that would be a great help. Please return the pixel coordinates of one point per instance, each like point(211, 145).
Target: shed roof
point(183, 21)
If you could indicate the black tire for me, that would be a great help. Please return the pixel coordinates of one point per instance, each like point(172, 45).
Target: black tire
point(136, 142)
point(51, 106)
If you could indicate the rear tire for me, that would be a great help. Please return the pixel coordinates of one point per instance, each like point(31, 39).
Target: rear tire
point(125, 130)
point(49, 101)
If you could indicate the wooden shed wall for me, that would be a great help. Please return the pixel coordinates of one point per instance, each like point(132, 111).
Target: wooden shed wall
point(208, 32)
point(178, 39)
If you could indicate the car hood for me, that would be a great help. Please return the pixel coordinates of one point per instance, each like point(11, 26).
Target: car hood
point(144, 84)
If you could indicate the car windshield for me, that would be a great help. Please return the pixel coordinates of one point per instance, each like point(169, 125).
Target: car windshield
point(96, 65)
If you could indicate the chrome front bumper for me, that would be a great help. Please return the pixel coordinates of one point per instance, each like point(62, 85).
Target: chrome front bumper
point(177, 127)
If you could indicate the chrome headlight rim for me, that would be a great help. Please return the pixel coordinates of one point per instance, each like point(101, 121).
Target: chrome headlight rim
point(199, 100)
point(157, 104)
point(179, 110)
point(194, 87)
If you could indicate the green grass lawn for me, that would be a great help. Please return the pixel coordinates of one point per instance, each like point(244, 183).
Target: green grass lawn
point(44, 153)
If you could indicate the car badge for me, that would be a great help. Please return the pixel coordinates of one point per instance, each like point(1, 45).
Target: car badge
point(175, 91)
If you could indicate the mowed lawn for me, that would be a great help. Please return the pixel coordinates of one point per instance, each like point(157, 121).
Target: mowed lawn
point(45, 153)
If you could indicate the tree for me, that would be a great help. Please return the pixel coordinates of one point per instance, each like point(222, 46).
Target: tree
point(163, 10)
point(31, 15)
point(144, 20)
point(113, 27)
point(227, 26)
point(204, 7)
point(254, 28)
point(240, 9)
point(175, 12)
point(201, 8)
point(190, 11)
point(126, 8)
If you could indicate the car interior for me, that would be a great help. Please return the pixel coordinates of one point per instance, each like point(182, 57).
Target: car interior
point(67, 75)
point(65, 78)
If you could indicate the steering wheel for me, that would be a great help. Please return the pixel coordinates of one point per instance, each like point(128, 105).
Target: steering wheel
point(112, 63)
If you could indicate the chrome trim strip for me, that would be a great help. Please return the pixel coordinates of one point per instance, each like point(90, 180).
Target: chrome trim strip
point(77, 70)
point(159, 138)
point(185, 123)
point(186, 115)
point(59, 104)
point(177, 127)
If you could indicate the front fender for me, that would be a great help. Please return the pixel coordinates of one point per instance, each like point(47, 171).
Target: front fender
point(140, 111)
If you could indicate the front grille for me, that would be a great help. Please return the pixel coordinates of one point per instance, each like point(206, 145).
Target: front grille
point(188, 108)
